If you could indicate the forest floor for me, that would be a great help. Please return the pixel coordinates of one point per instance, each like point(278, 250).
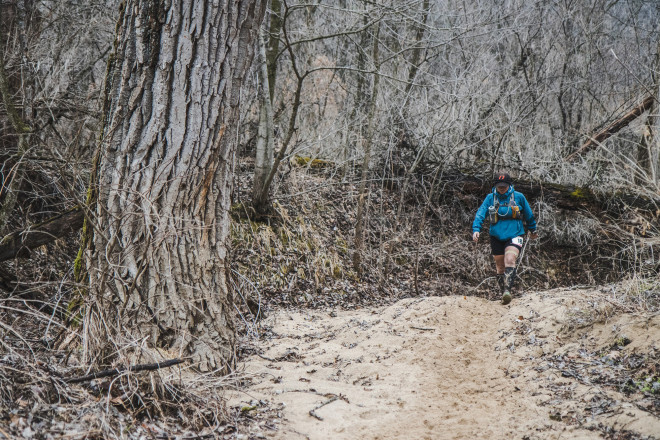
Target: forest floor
point(562, 363)
point(409, 349)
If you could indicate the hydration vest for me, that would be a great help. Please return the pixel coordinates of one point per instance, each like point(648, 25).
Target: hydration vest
point(493, 211)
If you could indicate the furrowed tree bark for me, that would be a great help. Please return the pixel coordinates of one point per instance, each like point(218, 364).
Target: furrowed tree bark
point(157, 257)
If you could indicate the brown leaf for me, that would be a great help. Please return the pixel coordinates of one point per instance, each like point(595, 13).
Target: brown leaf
point(119, 400)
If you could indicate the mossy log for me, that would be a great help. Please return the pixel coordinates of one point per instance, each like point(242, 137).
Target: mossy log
point(568, 197)
point(20, 243)
point(305, 161)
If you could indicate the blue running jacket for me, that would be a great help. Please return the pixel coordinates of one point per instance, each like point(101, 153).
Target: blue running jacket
point(506, 227)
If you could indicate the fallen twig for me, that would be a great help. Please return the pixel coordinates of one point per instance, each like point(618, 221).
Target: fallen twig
point(120, 370)
point(327, 402)
point(4, 434)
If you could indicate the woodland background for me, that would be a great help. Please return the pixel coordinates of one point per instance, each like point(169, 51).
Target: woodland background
point(369, 132)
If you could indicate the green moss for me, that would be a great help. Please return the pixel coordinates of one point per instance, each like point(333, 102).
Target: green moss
point(77, 264)
point(581, 193)
point(236, 207)
point(622, 342)
point(241, 211)
point(301, 160)
point(74, 312)
point(342, 245)
point(255, 225)
point(650, 385)
point(312, 163)
point(401, 260)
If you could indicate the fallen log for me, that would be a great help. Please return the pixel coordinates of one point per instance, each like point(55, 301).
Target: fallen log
point(567, 197)
point(20, 243)
point(613, 128)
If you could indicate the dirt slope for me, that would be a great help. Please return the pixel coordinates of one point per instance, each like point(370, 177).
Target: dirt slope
point(451, 368)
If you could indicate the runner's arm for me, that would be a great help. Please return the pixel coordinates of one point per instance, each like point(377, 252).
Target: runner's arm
point(528, 215)
point(481, 214)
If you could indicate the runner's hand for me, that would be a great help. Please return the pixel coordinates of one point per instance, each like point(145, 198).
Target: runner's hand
point(475, 237)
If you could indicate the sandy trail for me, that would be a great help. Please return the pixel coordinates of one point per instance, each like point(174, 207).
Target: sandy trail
point(436, 368)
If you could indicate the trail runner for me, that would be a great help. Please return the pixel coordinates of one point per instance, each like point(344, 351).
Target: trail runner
point(509, 213)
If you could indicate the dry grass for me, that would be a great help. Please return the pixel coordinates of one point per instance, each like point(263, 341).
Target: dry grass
point(36, 396)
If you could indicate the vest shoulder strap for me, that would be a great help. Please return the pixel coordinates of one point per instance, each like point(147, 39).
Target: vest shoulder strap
point(496, 201)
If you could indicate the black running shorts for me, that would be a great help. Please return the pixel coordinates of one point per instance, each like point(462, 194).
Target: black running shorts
point(498, 246)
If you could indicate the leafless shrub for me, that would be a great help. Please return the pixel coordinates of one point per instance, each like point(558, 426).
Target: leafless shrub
point(573, 229)
point(641, 294)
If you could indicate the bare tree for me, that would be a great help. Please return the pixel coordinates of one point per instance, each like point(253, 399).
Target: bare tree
point(360, 221)
point(14, 176)
point(53, 63)
point(156, 250)
point(648, 150)
point(265, 148)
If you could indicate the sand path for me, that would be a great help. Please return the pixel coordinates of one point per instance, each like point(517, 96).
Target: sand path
point(432, 368)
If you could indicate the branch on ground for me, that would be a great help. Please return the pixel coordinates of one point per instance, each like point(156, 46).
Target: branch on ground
point(20, 243)
point(120, 370)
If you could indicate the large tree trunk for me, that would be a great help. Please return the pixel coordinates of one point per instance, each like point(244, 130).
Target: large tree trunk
point(161, 189)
